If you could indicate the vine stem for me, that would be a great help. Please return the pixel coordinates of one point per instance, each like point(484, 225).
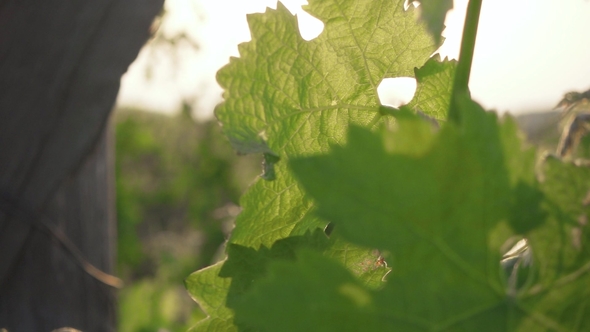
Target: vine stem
point(461, 81)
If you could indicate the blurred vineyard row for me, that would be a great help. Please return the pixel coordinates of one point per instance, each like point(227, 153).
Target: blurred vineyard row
point(178, 182)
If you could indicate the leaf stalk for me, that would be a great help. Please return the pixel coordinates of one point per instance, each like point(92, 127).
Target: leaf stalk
point(461, 81)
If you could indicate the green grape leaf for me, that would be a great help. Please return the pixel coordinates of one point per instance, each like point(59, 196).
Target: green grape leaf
point(438, 214)
point(558, 293)
point(434, 213)
point(470, 160)
point(552, 298)
point(210, 292)
point(214, 325)
point(286, 97)
point(443, 214)
point(434, 87)
point(367, 265)
point(217, 289)
point(434, 12)
point(321, 296)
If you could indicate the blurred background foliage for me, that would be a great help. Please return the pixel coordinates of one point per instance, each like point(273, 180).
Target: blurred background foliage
point(178, 182)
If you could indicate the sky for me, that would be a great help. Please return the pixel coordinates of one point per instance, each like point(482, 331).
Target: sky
point(528, 54)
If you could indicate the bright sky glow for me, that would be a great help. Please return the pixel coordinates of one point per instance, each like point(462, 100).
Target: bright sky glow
point(528, 53)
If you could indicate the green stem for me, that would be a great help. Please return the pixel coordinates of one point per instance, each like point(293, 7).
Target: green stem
point(461, 82)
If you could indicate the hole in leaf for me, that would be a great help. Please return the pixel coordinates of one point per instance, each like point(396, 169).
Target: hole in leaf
point(397, 91)
point(309, 26)
point(409, 3)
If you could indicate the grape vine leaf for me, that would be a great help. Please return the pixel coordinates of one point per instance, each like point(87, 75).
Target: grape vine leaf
point(443, 215)
point(434, 87)
point(559, 294)
point(218, 288)
point(330, 298)
point(287, 97)
point(210, 292)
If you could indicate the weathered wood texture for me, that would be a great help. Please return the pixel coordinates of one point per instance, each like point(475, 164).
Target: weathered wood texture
point(60, 67)
point(46, 289)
